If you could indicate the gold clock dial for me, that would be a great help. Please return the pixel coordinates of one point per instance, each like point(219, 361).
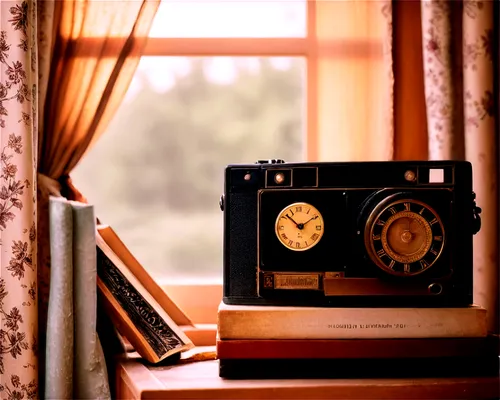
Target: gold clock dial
point(299, 226)
point(405, 237)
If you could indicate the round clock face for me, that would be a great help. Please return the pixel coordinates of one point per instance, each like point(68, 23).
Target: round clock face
point(299, 226)
point(405, 237)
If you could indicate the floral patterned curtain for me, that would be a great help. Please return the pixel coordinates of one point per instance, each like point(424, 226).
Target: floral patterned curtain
point(18, 238)
point(26, 60)
point(458, 74)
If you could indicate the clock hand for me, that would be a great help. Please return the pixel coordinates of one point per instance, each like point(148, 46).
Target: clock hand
point(300, 226)
point(310, 219)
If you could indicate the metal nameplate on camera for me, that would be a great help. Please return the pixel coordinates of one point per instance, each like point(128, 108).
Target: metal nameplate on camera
point(296, 281)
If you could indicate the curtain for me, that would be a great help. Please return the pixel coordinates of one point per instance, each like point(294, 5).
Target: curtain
point(92, 54)
point(75, 97)
point(354, 72)
point(88, 53)
point(18, 224)
point(458, 79)
point(410, 118)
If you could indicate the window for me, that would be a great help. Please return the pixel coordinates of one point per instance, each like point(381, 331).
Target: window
point(194, 106)
point(221, 82)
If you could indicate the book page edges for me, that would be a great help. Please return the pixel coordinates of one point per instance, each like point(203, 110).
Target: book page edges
point(128, 329)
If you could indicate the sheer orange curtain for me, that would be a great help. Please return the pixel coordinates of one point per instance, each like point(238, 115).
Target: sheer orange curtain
point(371, 103)
point(354, 72)
point(88, 78)
point(410, 117)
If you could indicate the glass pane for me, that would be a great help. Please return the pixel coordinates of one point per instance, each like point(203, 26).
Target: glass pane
point(156, 174)
point(230, 18)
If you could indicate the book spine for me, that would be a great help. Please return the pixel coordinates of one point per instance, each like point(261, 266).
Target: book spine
point(356, 348)
point(351, 323)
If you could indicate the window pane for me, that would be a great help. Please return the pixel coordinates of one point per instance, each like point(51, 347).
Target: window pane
point(156, 174)
point(230, 18)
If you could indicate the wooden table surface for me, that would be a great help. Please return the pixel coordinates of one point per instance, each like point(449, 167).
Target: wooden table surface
point(200, 380)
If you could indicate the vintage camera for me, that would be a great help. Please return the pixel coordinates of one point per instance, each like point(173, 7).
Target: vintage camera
point(349, 234)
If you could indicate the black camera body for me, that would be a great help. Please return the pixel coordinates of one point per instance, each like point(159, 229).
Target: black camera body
point(349, 234)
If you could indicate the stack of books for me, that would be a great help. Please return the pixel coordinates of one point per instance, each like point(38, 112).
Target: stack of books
point(277, 341)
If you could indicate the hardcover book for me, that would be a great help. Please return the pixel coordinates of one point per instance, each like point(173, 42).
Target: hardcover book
point(277, 322)
point(244, 349)
point(135, 312)
point(123, 253)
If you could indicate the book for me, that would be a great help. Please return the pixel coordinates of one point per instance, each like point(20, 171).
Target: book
point(134, 311)
point(75, 365)
point(277, 322)
point(135, 267)
point(356, 348)
point(374, 371)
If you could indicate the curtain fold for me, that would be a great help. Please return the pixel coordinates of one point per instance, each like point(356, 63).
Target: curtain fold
point(18, 224)
point(458, 79)
point(410, 117)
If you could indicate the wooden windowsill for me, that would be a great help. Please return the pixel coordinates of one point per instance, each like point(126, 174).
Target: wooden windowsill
point(200, 379)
